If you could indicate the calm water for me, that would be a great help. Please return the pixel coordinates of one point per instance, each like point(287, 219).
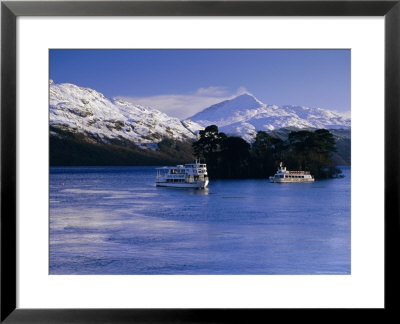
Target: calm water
point(113, 220)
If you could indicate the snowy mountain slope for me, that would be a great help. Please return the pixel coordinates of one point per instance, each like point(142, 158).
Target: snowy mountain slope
point(86, 111)
point(244, 115)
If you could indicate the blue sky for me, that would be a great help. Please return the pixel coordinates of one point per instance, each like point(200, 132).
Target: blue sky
point(183, 82)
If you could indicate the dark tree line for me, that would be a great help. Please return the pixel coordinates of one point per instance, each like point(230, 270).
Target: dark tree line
point(232, 157)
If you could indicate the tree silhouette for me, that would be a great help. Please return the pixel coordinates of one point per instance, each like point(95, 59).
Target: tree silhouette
point(235, 157)
point(209, 142)
point(232, 157)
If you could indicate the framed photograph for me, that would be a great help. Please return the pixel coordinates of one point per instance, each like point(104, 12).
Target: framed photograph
point(193, 161)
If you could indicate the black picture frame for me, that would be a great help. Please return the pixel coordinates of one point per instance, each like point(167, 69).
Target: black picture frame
point(10, 10)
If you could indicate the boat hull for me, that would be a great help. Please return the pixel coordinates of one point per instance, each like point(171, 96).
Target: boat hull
point(285, 180)
point(197, 184)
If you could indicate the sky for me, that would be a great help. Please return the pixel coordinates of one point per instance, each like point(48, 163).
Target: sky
point(184, 82)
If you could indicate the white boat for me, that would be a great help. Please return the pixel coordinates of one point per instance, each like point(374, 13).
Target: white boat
point(286, 176)
point(183, 176)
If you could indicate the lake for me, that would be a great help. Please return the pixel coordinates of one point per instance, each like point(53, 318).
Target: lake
point(113, 220)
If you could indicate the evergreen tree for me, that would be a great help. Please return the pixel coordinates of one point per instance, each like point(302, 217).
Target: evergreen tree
point(235, 156)
point(209, 142)
point(232, 157)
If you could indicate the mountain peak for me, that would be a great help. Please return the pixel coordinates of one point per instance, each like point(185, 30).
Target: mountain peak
point(246, 95)
point(244, 115)
point(244, 101)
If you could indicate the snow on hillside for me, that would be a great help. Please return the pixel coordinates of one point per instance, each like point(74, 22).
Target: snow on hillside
point(86, 111)
point(244, 115)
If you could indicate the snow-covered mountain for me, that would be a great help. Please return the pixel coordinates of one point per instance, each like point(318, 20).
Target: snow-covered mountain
point(82, 110)
point(85, 111)
point(244, 115)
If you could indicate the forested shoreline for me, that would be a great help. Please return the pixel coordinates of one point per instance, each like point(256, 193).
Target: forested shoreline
point(226, 156)
point(231, 157)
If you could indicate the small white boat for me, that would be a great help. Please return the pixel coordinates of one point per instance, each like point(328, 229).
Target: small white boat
point(183, 176)
point(286, 176)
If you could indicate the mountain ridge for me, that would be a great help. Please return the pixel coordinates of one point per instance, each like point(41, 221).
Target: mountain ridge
point(86, 128)
point(247, 115)
point(86, 111)
point(83, 110)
